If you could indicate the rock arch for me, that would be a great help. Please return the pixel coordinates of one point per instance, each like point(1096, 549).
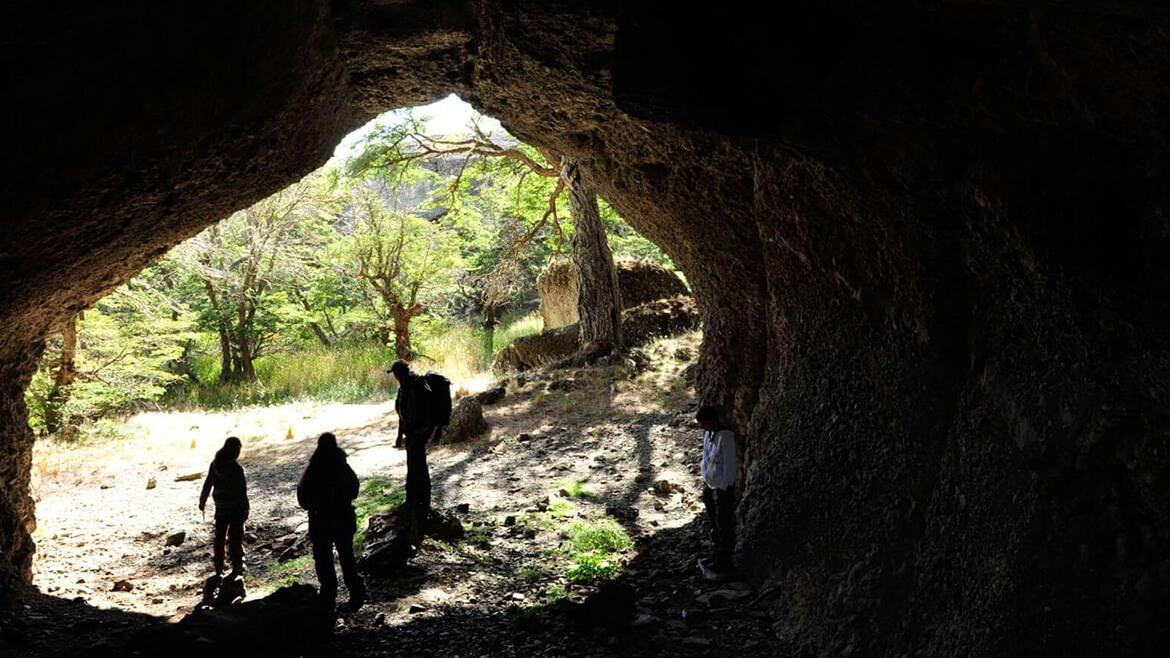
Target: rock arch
point(932, 266)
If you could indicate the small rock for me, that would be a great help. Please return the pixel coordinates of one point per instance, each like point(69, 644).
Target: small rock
point(176, 539)
point(190, 477)
point(696, 641)
point(107, 486)
point(415, 608)
point(530, 533)
point(517, 596)
point(491, 396)
point(524, 438)
point(123, 586)
point(664, 487)
point(151, 483)
point(380, 619)
point(157, 601)
point(644, 620)
point(509, 521)
point(542, 504)
point(463, 508)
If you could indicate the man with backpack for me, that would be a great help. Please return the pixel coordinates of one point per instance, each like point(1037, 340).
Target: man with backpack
point(424, 409)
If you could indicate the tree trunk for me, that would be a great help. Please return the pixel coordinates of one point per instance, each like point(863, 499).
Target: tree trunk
point(63, 383)
point(316, 327)
point(489, 333)
point(402, 347)
point(247, 369)
point(599, 299)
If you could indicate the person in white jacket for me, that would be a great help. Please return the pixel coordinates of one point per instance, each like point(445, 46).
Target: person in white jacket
point(718, 468)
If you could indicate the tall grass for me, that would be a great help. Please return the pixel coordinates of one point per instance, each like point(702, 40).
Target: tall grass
point(353, 372)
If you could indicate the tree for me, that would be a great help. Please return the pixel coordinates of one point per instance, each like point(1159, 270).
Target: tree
point(404, 260)
point(599, 299)
point(249, 266)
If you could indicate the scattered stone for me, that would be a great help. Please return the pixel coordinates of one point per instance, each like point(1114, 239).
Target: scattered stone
point(416, 608)
point(530, 533)
point(107, 486)
point(467, 422)
point(123, 586)
point(176, 538)
point(462, 508)
point(491, 396)
point(151, 483)
point(664, 487)
point(509, 521)
point(380, 619)
point(542, 504)
point(190, 477)
point(524, 438)
point(644, 619)
point(696, 641)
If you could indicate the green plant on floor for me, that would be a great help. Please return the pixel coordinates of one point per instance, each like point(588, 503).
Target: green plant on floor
point(534, 574)
point(595, 550)
point(573, 489)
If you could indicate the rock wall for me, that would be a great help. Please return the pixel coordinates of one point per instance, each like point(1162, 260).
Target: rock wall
point(931, 267)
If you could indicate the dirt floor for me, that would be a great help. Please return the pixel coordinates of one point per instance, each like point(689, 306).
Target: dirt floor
point(590, 446)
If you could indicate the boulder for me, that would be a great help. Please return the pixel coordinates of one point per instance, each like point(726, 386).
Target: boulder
point(467, 422)
point(557, 285)
point(659, 318)
point(491, 396)
point(546, 347)
point(639, 281)
point(393, 538)
point(508, 360)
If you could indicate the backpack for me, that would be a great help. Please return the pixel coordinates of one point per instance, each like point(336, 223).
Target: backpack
point(438, 405)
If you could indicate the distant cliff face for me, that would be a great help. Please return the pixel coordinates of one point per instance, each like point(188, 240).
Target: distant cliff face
point(929, 243)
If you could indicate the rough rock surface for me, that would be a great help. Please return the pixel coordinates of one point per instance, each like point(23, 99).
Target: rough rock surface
point(932, 270)
point(467, 422)
point(284, 623)
point(662, 317)
point(557, 285)
point(639, 281)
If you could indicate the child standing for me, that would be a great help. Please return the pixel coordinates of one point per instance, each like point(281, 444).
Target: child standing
point(226, 477)
point(718, 471)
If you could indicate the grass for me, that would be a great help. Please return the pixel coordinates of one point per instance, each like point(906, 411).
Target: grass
point(350, 372)
point(535, 574)
point(595, 550)
point(573, 489)
point(284, 573)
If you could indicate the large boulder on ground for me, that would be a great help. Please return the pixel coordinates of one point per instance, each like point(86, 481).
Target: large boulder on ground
point(557, 285)
point(640, 325)
point(639, 281)
point(642, 281)
point(467, 422)
point(546, 347)
point(393, 538)
point(659, 318)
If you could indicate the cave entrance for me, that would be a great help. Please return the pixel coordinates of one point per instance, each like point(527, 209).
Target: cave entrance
point(432, 234)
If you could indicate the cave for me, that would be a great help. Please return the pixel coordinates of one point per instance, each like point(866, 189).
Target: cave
point(929, 242)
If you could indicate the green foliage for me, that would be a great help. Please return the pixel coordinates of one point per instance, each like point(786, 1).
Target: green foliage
point(534, 574)
point(128, 347)
point(377, 496)
point(595, 550)
point(574, 488)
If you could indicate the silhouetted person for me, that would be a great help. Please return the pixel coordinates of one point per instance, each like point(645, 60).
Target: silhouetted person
point(718, 470)
point(227, 486)
point(415, 427)
point(327, 490)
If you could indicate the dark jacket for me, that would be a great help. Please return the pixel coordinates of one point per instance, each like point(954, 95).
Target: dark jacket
point(228, 487)
point(328, 489)
point(411, 405)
